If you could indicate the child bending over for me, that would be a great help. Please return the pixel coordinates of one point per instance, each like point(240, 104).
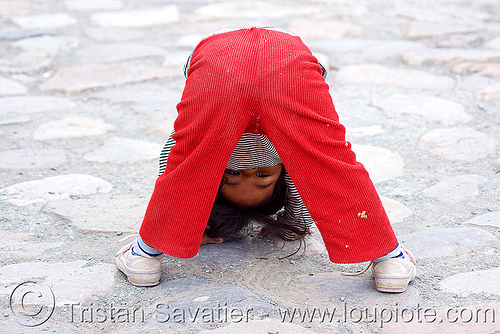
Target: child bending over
point(257, 138)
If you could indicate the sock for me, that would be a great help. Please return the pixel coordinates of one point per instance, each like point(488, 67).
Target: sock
point(396, 252)
point(141, 248)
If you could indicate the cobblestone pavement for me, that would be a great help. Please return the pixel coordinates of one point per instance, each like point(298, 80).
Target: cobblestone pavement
point(87, 97)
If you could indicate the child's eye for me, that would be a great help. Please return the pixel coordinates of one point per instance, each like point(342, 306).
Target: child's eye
point(261, 175)
point(233, 172)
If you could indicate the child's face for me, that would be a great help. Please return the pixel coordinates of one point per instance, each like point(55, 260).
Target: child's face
point(250, 187)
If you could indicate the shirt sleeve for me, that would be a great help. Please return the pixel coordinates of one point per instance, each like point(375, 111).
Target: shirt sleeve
point(164, 154)
point(295, 212)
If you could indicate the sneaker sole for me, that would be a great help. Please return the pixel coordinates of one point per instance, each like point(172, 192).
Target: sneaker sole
point(141, 279)
point(143, 284)
point(392, 289)
point(392, 284)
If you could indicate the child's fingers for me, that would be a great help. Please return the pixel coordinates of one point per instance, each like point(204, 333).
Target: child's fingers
point(208, 240)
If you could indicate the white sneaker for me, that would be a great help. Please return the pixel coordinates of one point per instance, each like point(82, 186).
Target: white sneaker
point(394, 275)
point(140, 270)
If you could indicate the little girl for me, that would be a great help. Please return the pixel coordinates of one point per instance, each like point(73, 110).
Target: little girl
point(254, 115)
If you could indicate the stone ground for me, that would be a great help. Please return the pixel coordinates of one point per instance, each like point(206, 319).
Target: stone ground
point(415, 82)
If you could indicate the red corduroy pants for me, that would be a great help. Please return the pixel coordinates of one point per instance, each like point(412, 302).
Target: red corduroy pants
point(265, 81)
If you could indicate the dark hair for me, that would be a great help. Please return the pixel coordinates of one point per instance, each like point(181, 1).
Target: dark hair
point(230, 222)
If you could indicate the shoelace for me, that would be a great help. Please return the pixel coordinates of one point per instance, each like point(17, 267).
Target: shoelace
point(125, 239)
point(403, 249)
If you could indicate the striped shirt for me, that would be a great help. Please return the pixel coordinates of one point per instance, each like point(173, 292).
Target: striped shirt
point(252, 151)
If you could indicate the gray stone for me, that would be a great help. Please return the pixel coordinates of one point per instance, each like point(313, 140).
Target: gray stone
point(21, 246)
point(11, 87)
point(53, 188)
point(466, 41)
point(91, 5)
point(13, 8)
point(493, 44)
point(80, 78)
point(109, 53)
point(308, 29)
point(347, 292)
point(450, 242)
point(164, 128)
point(31, 159)
point(245, 9)
point(189, 41)
point(179, 293)
point(358, 127)
point(490, 93)
point(114, 34)
point(470, 68)
point(449, 56)
point(443, 14)
point(488, 219)
point(14, 105)
point(377, 75)
point(22, 64)
point(24, 79)
point(144, 98)
point(312, 246)
point(143, 17)
point(225, 253)
point(45, 47)
point(47, 43)
point(15, 120)
point(419, 30)
point(459, 143)
point(340, 10)
point(14, 326)
point(382, 164)
point(71, 127)
point(71, 282)
point(270, 326)
point(395, 210)
point(427, 106)
point(103, 214)
point(353, 51)
point(17, 34)
point(456, 189)
point(359, 131)
point(120, 150)
point(467, 13)
point(481, 282)
point(28, 250)
point(44, 21)
point(418, 13)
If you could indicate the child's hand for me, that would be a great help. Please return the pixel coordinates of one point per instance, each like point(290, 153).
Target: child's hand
point(265, 231)
point(205, 239)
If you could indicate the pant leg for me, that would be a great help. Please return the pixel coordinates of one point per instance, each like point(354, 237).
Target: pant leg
point(213, 113)
point(298, 116)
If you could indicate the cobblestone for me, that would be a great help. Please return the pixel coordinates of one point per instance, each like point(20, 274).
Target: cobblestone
point(448, 242)
point(378, 75)
point(459, 143)
point(430, 107)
